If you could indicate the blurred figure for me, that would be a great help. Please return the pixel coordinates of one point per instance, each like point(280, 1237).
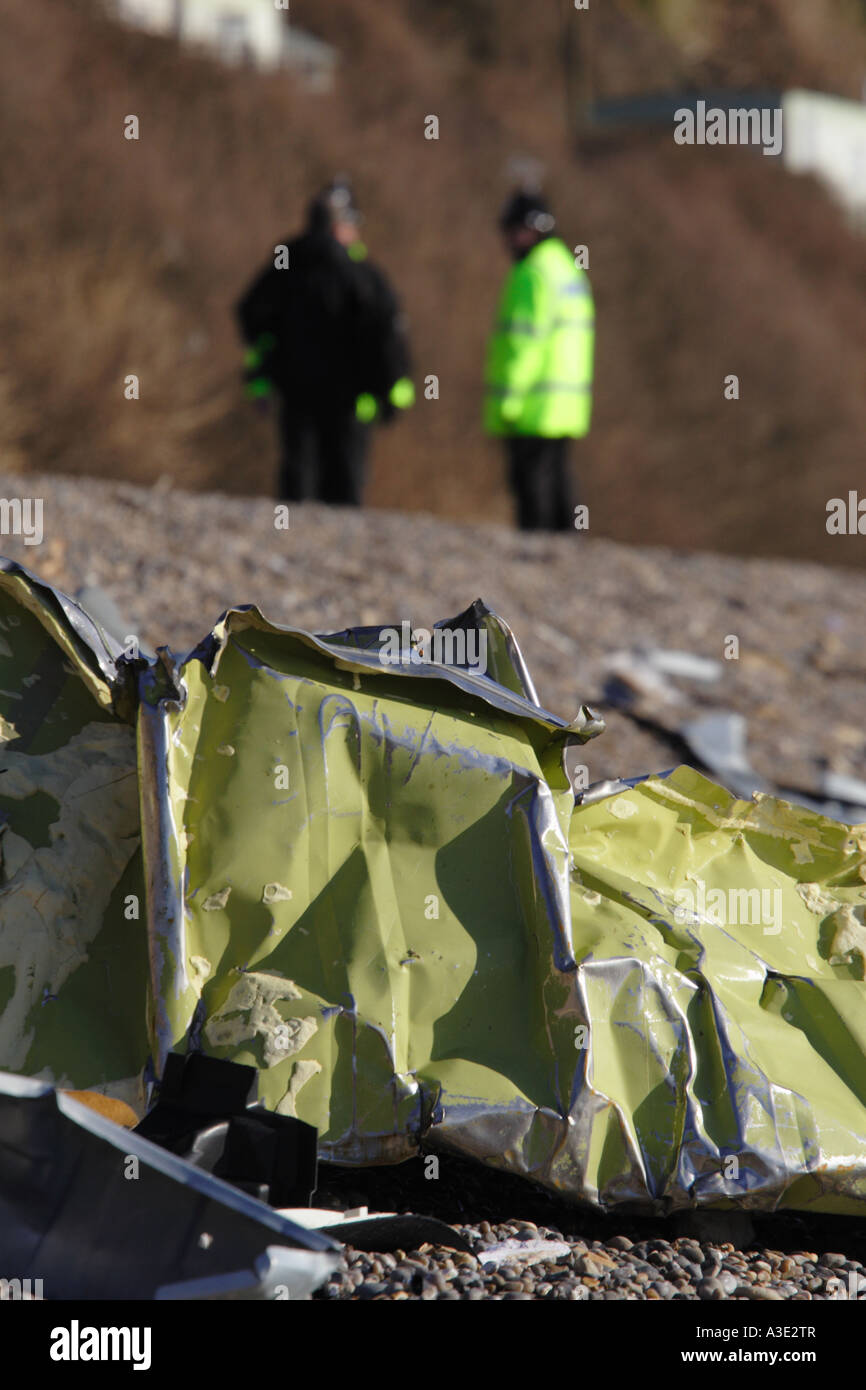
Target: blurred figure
point(538, 380)
point(325, 332)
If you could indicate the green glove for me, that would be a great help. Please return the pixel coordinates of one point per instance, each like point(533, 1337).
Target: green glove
point(366, 408)
point(255, 355)
point(402, 394)
point(257, 387)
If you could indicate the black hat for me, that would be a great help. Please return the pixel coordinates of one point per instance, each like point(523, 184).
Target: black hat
point(524, 209)
point(335, 203)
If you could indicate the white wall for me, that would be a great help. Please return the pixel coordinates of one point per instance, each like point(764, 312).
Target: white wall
point(826, 136)
point(155, 15)
point(231, 28)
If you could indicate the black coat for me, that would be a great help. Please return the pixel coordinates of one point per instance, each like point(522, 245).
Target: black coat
point(336, 324)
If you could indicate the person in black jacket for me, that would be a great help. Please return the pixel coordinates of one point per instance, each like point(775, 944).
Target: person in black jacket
point(325, 332)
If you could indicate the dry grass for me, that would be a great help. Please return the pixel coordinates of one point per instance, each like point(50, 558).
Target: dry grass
point(126, 257)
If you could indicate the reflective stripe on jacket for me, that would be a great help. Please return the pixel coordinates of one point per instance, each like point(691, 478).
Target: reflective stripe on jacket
point(538, 379)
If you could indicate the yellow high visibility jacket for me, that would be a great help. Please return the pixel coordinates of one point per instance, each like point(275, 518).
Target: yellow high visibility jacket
point(538, 378)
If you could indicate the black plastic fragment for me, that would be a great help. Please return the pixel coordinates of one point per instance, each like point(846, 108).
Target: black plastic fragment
point(276, 1150)
point(207, 1113)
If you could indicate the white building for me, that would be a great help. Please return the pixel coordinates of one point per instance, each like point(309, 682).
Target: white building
point(826, 136)
point(235, 31)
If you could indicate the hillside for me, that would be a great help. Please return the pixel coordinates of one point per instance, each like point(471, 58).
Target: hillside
point(126, 257)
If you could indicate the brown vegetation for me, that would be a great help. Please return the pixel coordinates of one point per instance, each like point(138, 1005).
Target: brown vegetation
point(126, 257)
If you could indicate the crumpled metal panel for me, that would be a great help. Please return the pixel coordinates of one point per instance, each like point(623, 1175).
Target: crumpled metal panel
point(372, 882)
point(709, 1047)
point(339, 849)
point(73, 946)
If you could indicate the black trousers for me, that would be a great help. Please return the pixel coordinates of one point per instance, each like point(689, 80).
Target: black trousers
point(323, 456)
point(539, 476)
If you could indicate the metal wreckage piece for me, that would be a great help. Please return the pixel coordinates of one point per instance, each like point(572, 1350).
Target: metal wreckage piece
point(372, 881)
point(151, 1224)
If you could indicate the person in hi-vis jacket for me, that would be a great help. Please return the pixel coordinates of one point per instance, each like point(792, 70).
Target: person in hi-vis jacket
point(539, 371)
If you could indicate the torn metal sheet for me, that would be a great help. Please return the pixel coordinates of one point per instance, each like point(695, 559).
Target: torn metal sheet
point(523, 1252)
point(379, 1230)
point(367, 876)
point(315, 827)
point(847, 792)
point(715, 740)
point(718, 740)
point(73, 944)
point(92, 1211)
point(276, 1275)
point(639, 675)
point(686, 665)
point(716, 1012)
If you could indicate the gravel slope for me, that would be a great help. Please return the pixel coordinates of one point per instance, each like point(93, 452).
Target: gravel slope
point(172, 561)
